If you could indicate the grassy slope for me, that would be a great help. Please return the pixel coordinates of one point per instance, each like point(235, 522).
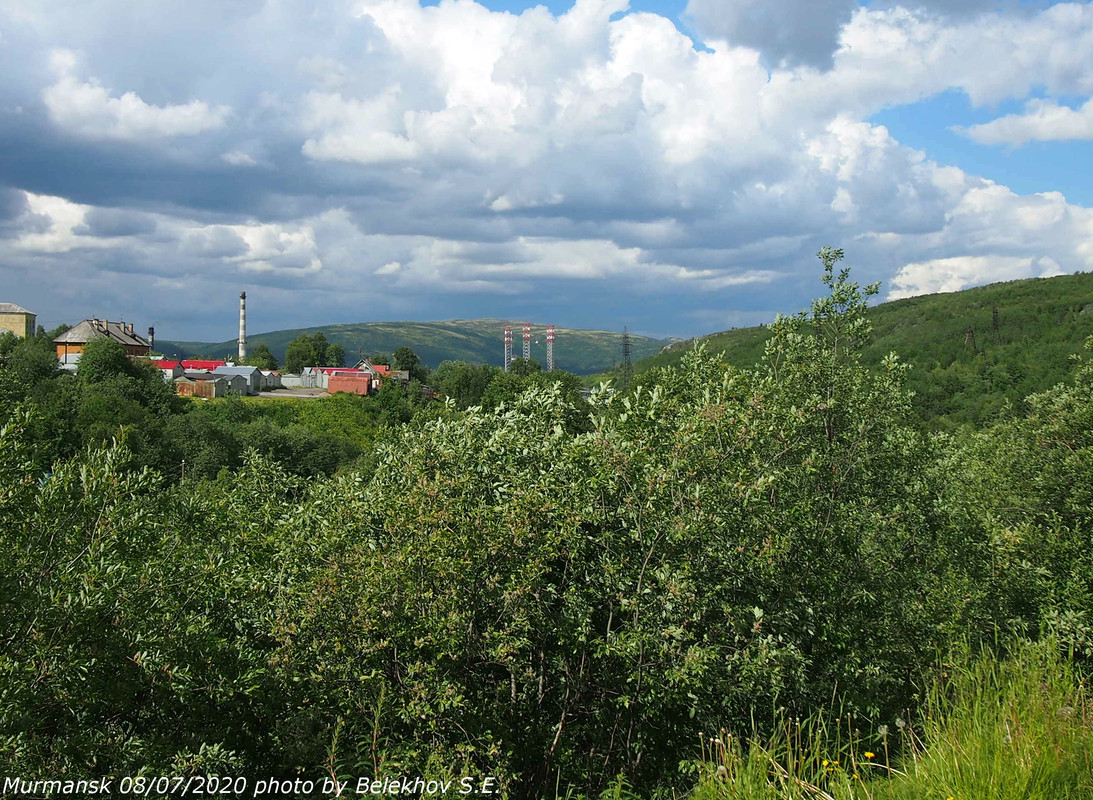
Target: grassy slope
point(1041, 323)
point(1018, 728)
point(478, 341)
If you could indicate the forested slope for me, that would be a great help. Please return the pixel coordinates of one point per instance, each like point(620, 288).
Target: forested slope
point(1022, 335)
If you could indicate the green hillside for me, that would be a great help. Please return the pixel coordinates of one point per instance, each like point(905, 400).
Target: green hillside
point(476, 341)
point(958, 378)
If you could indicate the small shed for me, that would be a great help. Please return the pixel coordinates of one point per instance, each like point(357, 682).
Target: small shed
point(352, 382)
point(271, 379)
point(252, 375)
point(207, 387)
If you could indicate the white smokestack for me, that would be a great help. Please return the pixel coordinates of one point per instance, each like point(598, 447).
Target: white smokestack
point(242, 326)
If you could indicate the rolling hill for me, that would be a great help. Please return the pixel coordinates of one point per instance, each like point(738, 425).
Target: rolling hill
point(477, 341)
point(1023, 334)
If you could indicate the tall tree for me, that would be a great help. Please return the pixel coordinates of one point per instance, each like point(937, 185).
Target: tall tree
point(310, 351)
point(335, 356)
point(300, 353)
point(405, 358)
point(320, 349)
point(261, 357)
point(103, 359)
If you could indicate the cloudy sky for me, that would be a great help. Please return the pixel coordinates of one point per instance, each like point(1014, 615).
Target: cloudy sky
point(668, 165)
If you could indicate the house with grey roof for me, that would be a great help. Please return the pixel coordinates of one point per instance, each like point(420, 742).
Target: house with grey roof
point(72, 341)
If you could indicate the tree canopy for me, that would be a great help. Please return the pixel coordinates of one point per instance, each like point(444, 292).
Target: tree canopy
point(261, 357)
point(313, 351)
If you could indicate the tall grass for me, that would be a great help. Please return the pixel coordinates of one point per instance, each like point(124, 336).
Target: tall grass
point(1013, 728)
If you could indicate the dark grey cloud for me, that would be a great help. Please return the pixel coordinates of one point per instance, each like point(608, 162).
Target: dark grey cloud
point(790, 33)
point(786, 32)
point(13, 204)
point(115, 222)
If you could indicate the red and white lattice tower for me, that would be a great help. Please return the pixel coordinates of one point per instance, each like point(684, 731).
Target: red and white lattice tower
point(527, 341)
point(550, 348)
point(508, 347)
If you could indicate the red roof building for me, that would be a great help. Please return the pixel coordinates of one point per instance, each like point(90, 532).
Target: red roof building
point(207, 364)
point(340, 370)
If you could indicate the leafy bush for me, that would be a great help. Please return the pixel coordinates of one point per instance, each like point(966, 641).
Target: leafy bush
point(538, 588)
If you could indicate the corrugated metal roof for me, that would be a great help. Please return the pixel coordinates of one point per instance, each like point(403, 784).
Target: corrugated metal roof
point(11, 308)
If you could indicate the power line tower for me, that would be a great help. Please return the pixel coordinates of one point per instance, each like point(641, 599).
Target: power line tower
point(627, 367)
point(508, 348)
point(969, 338)
point(527, 341)
point(550, 348)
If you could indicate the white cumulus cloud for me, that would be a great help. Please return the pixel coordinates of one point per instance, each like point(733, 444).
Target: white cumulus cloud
point(366, 146)
point(1043, 121)
point(87, 109)
point(959, 272)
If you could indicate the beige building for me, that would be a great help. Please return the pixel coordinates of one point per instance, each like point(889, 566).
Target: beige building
point(17, 320)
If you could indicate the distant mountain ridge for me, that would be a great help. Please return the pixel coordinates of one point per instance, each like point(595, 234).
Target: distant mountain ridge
point(477, 340)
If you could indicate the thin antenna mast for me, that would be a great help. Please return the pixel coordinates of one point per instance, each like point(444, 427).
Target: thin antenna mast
point(508, 347)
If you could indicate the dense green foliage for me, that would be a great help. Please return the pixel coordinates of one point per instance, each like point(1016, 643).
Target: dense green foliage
point(261, 357)
point(312, 351)
point(522, 583)
point(405, 358)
